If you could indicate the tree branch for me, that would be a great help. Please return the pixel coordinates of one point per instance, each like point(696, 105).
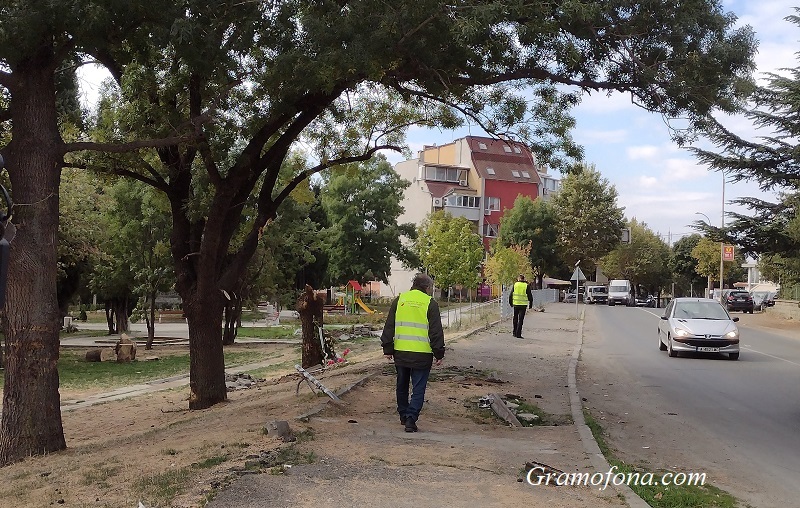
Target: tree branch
point(131, 146)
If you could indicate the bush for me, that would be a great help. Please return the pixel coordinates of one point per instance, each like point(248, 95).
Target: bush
point(82, 315)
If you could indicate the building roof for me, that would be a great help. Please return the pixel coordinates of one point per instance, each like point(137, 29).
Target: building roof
point(499, 159)
point(441, 189)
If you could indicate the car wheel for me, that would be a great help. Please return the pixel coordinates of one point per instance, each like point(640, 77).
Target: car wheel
point(733, 356)
point(670, 352)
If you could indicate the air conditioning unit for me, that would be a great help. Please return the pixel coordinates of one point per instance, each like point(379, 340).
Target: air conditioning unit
point(437, 202)
point(487, 212)
point(545, 191)
point(462, 183)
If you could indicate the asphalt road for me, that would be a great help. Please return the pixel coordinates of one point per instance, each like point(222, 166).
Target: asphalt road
point(751, 405)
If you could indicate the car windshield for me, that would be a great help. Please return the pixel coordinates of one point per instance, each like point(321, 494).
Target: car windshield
point(618, 289)
point(699, 310)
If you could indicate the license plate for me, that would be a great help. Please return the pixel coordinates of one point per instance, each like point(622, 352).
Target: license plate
point(708, 349)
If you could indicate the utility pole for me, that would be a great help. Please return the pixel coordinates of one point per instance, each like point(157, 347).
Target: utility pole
point(722, 243)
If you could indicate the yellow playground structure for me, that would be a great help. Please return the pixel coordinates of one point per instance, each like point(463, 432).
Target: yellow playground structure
point(352, 298)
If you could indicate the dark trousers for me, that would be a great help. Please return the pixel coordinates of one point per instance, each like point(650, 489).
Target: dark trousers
point(519, 317)
point(418, 379)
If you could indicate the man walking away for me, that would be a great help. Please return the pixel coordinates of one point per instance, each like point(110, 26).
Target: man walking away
point(413, 337)
point(520, 297)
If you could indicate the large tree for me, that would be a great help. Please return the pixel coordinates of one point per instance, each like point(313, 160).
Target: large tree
point(362, 203)
point(772, 160)
point(590, 221)
point(449, 250)
point(683, 266)
point(533, 224)
point(644, 261)
point(223, 91)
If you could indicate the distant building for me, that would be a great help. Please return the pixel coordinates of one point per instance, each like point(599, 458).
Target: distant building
point(473, 177)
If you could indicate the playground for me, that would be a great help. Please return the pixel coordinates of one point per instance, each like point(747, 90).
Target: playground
point(348, 301)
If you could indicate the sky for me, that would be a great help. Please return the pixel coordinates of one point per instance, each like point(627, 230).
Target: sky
point(659, 183)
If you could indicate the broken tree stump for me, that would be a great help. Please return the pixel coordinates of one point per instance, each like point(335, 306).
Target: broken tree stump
point(309, 306)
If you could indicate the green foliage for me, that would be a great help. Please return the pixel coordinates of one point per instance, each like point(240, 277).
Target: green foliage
point(532, 223)
point(507, 263)
point(683, 266)
point(589, 220)
point(450, 250)
point(643, 261)
point(708, 255)
point(362, 203)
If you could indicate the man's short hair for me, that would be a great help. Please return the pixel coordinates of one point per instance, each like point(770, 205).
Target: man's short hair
point(521, 277)
point(422, 281)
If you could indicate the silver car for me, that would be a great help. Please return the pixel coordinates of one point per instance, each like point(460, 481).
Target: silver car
point(699, 325)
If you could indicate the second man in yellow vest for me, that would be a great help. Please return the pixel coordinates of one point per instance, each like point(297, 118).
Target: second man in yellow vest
point(519, 298)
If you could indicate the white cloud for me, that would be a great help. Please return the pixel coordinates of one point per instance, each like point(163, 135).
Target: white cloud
point(644, 152)
point(587, 136)
point(600, 102)
point(676, 169)
point(648, 182)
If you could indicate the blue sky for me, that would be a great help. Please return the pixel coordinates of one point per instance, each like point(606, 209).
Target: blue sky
point(659, 183)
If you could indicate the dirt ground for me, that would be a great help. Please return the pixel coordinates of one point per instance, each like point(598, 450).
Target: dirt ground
point(150, 449)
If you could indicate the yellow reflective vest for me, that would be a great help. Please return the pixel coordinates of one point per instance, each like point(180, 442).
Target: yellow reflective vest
point(520, 296)
point(411, 322)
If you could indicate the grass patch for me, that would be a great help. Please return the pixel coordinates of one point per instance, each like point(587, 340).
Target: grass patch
point(211, 462)
point(164, 486)
point(657, 495)
point(545, 419)
point(99, 476)
point(267, 332)
point(75, 372)
point(271, 369)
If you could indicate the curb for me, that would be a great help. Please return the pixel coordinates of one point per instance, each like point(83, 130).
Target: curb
point(590, 445)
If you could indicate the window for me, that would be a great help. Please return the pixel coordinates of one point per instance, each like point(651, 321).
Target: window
point(492, 203)
point(468, 201)
point(445, 174)
point(517, 149)
point(490, 171)
point(490, 230)
point(515, 173)
point(525, 174)
point(507, 148)
point(482, 146)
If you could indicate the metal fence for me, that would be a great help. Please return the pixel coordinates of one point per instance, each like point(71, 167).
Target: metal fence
point(540, 297)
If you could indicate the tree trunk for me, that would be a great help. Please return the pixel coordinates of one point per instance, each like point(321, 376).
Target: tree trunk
point(233, 319)
point(309, 306)
point(110, 321)
point(150, 319)
point(206, 356)
point(121, 310)
point(31, 421)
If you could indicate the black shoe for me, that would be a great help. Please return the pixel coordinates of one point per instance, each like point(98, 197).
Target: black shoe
point(402, 420)
point(411, 426)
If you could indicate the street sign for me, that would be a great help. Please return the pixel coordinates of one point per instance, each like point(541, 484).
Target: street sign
point(727, 253)
point(577, 274)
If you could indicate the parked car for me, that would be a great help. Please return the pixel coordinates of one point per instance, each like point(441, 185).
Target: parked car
point(645, 301)
point(739, 300)
point(698, 325)
point(763, 299)
point(570, 297)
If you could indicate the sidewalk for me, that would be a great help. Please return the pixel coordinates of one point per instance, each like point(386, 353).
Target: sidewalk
point(363, 457)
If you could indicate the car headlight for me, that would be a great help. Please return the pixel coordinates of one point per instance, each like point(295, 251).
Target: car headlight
point(733, 334)
point(680, 332)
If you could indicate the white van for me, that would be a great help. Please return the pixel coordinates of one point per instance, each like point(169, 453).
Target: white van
point(619, 291)
point(595, 294)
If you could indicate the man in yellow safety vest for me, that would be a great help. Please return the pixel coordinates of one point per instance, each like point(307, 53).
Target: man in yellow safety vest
point(413, 337)
point(520, 297)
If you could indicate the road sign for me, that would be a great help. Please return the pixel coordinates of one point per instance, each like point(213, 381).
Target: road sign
point(577, 274)
point(727, 253)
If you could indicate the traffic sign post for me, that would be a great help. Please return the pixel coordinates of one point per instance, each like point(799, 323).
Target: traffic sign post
point(577, 276)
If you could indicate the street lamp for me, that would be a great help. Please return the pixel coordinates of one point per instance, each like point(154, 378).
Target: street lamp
point(710, 285)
